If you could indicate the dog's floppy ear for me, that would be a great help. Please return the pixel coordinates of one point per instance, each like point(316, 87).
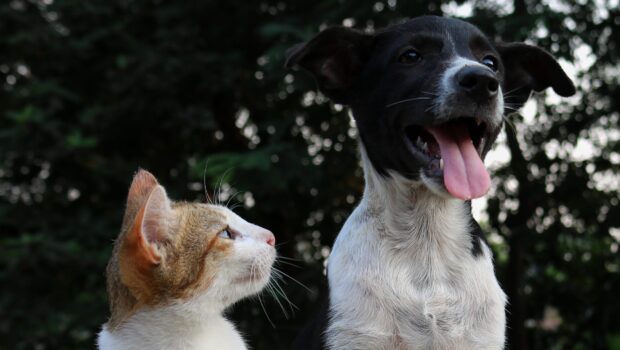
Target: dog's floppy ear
point(530, 68)
point(334, 57)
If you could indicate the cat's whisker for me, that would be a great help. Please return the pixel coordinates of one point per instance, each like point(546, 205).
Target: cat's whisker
point(287, 258)
point(220, 183)
point(235, 206)
point(271, 291)
point(204, 183)
point(275, 290)
point(281, 259)
point(260, 301)
point(278, 288)
point(231, 198)
point(294, 280)
point(288, 263)
point(291, 305)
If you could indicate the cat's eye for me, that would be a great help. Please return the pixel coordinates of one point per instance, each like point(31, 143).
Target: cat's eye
point(490, 62)
point(410, 56)
point(226, 234)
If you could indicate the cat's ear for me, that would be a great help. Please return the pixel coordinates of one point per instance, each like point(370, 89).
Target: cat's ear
point(146, 232)
point(141, 187)
point(146, 220)
point(150, 229)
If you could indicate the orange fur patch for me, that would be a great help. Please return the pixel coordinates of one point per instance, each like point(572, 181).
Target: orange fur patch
point(179, 267)
point(137, 260)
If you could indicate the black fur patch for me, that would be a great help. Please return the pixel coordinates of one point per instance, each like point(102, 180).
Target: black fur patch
point(477, 235)
point(312, 336)
point(365, 72)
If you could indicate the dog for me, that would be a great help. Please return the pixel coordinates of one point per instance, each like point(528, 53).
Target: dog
point(410, 268)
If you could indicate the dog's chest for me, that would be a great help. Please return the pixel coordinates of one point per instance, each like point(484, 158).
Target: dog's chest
point(387, 294)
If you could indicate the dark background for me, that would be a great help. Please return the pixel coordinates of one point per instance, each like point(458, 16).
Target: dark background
point(92, 90)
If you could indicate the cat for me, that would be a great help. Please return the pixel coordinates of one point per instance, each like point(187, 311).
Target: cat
point(175, 268)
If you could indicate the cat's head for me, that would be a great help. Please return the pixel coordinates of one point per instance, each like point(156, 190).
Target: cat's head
point(176, 253)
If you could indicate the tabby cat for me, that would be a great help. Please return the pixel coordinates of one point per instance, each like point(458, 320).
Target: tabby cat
point(175, 268)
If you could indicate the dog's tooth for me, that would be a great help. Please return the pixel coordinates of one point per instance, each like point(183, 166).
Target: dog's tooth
point(441, 163)
point(419, 143)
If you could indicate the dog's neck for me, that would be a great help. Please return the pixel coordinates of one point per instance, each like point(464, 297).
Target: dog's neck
point(414, 217)
point(393, 191)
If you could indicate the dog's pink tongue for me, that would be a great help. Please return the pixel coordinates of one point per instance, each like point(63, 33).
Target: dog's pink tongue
point(464, 173)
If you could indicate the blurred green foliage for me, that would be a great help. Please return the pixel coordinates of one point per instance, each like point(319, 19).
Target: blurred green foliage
point(92, 90)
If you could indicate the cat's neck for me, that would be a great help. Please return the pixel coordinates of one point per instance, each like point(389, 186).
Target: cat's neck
point(185, 317)
point(179, 326)
point(195, 311)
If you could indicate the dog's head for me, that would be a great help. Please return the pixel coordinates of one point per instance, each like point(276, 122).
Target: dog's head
point(428, 95)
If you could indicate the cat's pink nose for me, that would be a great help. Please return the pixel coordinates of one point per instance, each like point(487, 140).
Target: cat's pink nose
point(270, 238)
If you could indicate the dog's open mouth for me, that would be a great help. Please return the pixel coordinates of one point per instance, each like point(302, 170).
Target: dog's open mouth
point(453, 151)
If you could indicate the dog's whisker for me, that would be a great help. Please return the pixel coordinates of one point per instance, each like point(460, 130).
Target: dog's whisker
point(515, 104)
point(510, 123)
point(407, 100)
point(513, 90)
point(428, 93)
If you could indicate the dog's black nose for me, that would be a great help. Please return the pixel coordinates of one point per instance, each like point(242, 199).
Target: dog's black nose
point(478, 82)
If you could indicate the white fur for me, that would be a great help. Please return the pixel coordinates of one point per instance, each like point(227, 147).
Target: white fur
point(402, 274)
point(198, 323)
point(167, 329)
point(447, 94)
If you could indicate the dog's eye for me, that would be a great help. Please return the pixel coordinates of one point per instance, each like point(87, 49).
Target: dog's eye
point(409, 56)
point(490, 62)
point(226, 234)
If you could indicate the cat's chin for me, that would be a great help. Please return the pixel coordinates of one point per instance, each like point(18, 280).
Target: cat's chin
point(259, 278)
point(252, 283)
point(251, 288)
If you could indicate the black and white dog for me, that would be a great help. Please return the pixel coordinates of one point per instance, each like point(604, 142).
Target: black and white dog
point(410, 268)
